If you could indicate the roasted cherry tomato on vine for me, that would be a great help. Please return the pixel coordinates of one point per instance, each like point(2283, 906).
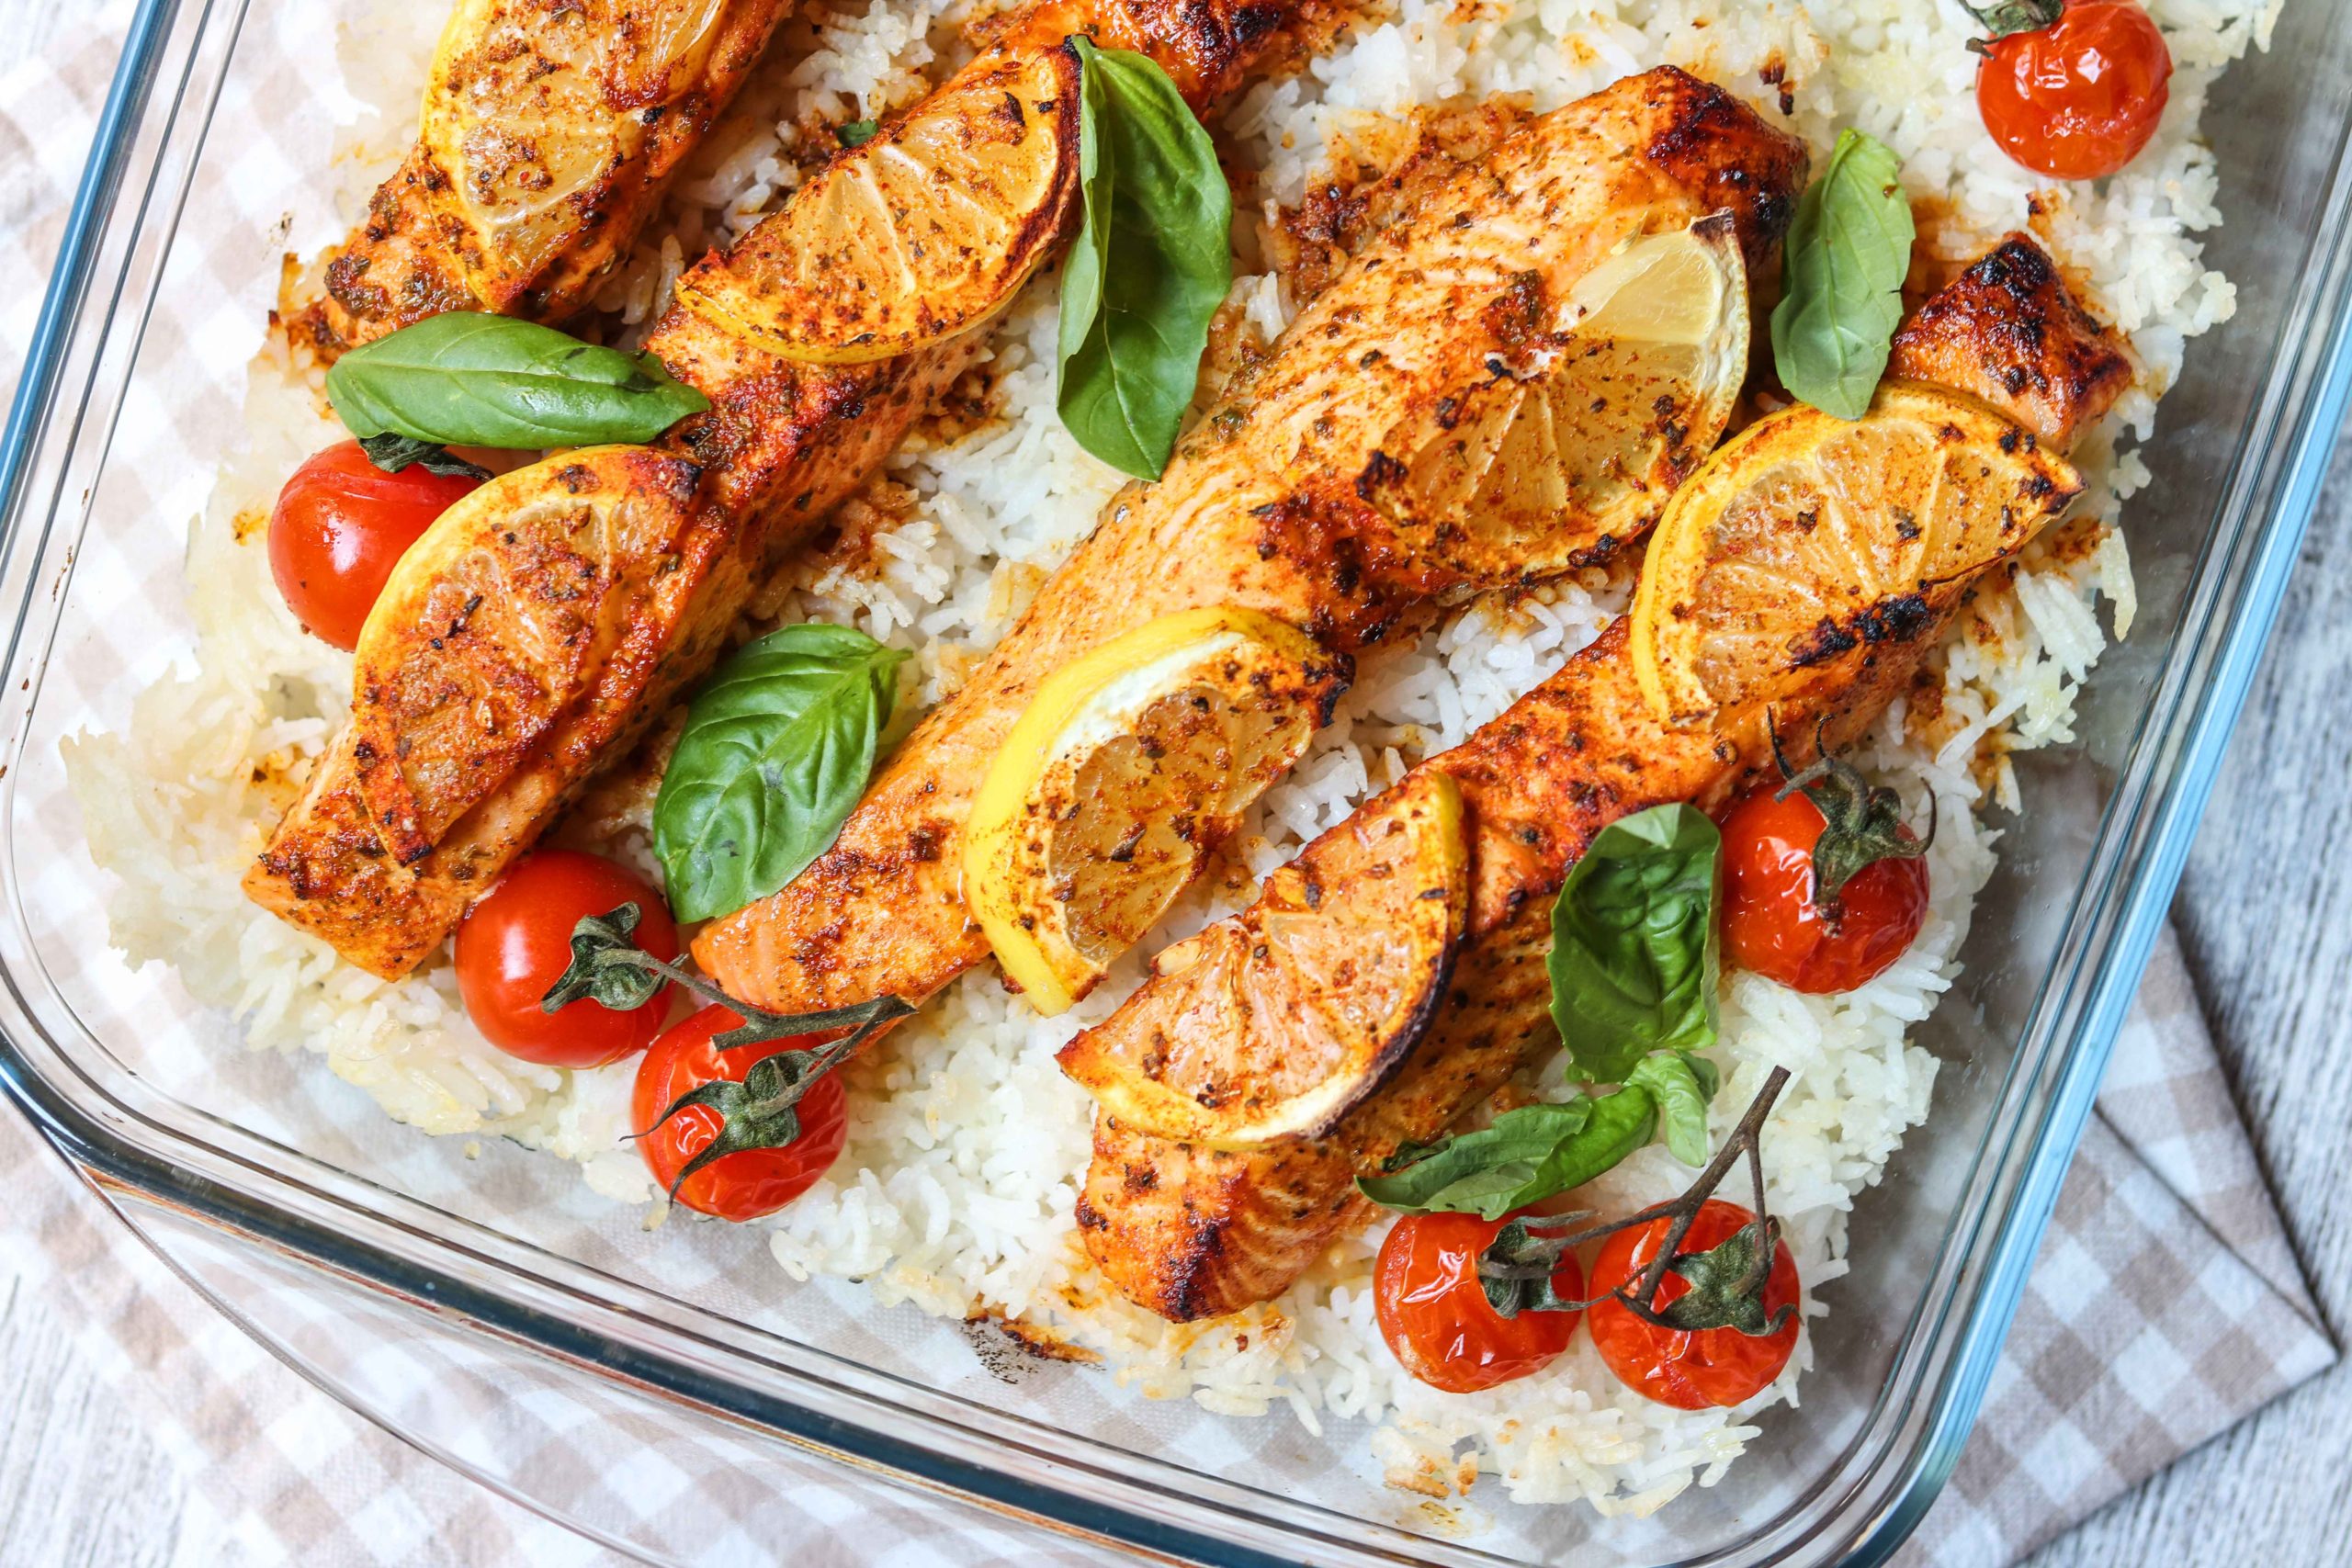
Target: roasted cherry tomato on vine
point(517, 943)
point(340, 527)
point(1695, 1369)
point(750, 1182)
point(2079, 99)
point(1772, 922)
point(1434, 1313)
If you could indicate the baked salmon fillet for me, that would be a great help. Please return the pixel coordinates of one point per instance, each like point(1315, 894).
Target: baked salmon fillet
point(550, 129)
point(1317, 494)
point(541, 624)
point(1190, 1231)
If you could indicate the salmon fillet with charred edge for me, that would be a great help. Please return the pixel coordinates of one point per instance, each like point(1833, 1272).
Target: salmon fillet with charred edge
point(536, 629)
point(1287, 500)
point(549, 131)
point(1192, 1232)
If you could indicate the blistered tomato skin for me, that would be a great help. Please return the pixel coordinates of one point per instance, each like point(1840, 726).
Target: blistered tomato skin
point(2078, 100)
point(1689, 1371)
point(1434, 1313)
point(1771, 924)
point(750, 1182)
point(340, 527)
point(516, 943)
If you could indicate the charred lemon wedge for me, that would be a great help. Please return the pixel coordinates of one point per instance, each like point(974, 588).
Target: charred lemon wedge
point(1586, 413)
point(532, 110)
point(1127, 768)
point(920, 232)
point(1274, 1023)
point(1807, 537)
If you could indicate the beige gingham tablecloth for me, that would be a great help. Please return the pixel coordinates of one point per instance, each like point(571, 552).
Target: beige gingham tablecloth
point(2166, 1303)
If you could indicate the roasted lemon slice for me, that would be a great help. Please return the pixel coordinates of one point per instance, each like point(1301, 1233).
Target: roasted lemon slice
point(1807, 537)
point(1125, 770)
point(1274, 1023)
point(531, 108)
point(922, 231)
point(1584, 418)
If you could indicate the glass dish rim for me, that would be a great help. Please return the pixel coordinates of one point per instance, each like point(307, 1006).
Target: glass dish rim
point(2040, 1110)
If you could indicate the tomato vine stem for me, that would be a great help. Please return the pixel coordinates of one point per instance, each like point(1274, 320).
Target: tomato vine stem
point(1725, 1295)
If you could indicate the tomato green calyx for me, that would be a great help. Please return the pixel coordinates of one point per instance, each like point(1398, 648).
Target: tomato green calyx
point(608, 968)
point(1727, 1284)
point(392, 452)
point(1727, 1281)
point(1516, 1269)
point(1861, 822)
point(2003, 18)
point(762, 1112)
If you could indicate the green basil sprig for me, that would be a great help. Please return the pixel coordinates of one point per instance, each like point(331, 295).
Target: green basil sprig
point(1682, 1086)
point(1635, 951)
point(1538, 1151)
point(776, 751)
point(1151, 265)
point(470, 380)
point(1841, 278)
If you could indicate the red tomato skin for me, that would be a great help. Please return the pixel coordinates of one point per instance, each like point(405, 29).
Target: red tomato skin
point(1771, 924)
point(1688, 1370)
point(751, 1182)
point(2078, 100)
point(516, 941)
point(340, 527)
point(1435, 1315)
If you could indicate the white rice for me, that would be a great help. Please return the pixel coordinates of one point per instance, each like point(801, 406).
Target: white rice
point(956, 1190)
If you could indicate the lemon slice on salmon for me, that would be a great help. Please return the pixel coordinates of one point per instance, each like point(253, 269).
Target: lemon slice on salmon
point(1126, 769)
point(1808, 536)
point(530, 109)
point(920, 232)
point(1275, 1024)
point(1584, 416)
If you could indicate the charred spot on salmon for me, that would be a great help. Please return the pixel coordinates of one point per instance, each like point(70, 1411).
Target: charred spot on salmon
point(1824, 642)
point(1894, 620)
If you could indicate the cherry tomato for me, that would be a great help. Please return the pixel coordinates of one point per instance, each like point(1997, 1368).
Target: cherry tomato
point(1690, 1371)
point(750, 1182)
point(1435, 1315)
point(340, 527)
point(2078, 98)
point(1772, 923)
point(516, 943)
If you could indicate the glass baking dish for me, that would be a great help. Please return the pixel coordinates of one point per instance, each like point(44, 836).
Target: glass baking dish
point(373, 1267)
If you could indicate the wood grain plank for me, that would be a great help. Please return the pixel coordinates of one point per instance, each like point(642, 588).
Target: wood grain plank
point(81, 1486)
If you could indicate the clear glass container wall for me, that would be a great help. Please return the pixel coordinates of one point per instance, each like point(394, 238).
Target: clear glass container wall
point(272, 1201)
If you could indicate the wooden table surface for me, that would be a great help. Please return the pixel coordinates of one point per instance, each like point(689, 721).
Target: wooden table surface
point(2265, 912)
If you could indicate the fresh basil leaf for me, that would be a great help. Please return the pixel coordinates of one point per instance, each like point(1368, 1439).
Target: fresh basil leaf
point(776, 751)
point(1674, 1081)
point(1528, 1155)
point(1841, 278)
point(393, 453)
point(856, 132)
point(1709, 1077)
point(481, 381)
point(1634, 948)
point(1151, 265)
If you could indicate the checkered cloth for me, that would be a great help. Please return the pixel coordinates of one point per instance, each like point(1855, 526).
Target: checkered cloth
point(2165, 1307)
